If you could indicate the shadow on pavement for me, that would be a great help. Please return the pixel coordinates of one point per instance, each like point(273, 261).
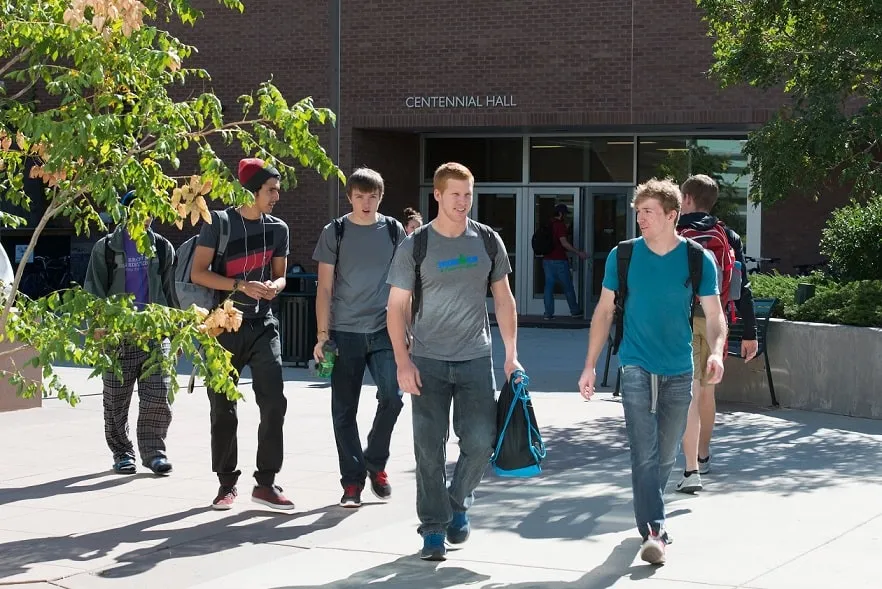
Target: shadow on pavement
point(68, 486)
point(196, 540)
point(407, 572)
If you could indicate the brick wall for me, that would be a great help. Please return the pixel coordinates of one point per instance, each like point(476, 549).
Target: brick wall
point(598, 64)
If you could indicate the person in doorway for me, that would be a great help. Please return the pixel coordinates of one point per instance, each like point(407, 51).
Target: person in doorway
point(251, 272)
point(412, 220)
point(556, 264)
point(700, 194)
point(658, 286)
point(353, 254)
point(117, 267)
point(439, 277)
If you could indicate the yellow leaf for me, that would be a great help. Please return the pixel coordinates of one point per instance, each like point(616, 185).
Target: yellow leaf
point(179, 224)
point(176, 198)
point(194, 216)
point(206, 216)
point(206, 187)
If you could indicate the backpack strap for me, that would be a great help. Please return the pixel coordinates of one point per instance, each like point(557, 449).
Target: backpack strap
point(624, 251)
point(223, 239)
point(491, 246)
point(394, 233)
point(420, 246)
point(339, 226)
point(695, 255)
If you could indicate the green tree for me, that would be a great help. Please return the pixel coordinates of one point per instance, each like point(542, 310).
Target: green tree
point(85, 101)
point(826, 55)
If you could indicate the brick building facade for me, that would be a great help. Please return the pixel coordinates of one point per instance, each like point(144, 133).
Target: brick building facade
point(570, 79)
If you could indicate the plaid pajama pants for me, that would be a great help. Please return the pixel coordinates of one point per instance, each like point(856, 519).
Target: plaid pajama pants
point(154, 410)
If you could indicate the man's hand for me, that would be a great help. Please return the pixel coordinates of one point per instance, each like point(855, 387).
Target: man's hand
point(318, 352)
point(586, 383)
point(254, 289)
point(409, 377)
point(272, 290)
point(748, 349)
point(714, 369)
point(583, 255)
point(511, 366)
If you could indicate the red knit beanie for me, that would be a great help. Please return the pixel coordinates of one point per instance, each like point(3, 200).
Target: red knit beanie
point(253, 172)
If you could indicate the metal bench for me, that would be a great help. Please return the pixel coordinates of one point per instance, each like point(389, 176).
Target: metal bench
point(763, 310)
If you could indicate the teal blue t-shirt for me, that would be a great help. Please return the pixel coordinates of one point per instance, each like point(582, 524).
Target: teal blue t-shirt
point(658, 336)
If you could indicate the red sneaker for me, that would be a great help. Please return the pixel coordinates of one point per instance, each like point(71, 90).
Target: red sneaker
point(271, 496)
point(225, 498)
point(380, 485)
point(653, 549)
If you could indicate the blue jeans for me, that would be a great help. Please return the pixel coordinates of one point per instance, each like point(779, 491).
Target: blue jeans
point(654, 434)
point(469, 386)
point(355, 352)
point(559, 271)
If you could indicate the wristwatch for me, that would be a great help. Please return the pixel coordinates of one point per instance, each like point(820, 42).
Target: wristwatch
point(236, 284)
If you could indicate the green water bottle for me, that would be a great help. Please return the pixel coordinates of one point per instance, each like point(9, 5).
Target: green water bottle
point(326, 366)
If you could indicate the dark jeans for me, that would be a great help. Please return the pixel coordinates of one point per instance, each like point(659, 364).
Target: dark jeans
point(559, 271)
point(654, 434)
point(469, 385)
point(257, 345)
point(355, 352)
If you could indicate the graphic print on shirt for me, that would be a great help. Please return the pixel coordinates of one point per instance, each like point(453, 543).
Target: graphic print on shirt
point(461, 262)
point(253, 261)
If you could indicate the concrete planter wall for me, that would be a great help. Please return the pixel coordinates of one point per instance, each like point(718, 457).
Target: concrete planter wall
point(815, 366)
point(9, 399)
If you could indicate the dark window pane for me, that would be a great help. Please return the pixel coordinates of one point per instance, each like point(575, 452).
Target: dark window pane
point(723, 160)
point(498, 159)
point(560, 159)
point(663, 157)
point(612, 159)
point(581, 159)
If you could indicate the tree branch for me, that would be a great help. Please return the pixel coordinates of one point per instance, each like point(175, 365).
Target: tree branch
point(22, 92)
point(53, 209)
point(24, 53)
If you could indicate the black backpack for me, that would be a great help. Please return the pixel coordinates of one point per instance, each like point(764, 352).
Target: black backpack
point(543, 240)
point(391, 225)
point(421, 244)
point(519, 448)
point(695, 256)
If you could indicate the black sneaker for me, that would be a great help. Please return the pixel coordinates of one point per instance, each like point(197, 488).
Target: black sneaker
point(351, 496)
point(380, 485)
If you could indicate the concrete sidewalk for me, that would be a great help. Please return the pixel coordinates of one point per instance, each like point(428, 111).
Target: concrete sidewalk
point(793, 501)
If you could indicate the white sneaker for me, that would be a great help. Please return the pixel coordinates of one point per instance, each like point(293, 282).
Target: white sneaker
point(704, 465)
point(653, 549)
point(689, 484)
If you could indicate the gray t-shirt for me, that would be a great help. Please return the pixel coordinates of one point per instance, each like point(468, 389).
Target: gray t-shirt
point(453, 324)
point(360, 290)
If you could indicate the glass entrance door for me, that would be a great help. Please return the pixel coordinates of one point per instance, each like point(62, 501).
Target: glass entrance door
point(542, 202)
point(611, 223)
point(500, 209)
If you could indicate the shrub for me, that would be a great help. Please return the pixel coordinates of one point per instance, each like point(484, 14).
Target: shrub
point(850, 303)
point(851, 240)
point(783, 288)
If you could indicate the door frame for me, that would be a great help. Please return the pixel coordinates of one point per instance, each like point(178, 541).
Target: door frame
point(528, 304)
point(515, 257)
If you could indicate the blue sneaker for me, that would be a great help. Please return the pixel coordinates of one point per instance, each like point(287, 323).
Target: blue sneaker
point(459, 529)
point(433, 547)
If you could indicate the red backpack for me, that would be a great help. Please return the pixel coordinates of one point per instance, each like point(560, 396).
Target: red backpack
point(716, 240)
